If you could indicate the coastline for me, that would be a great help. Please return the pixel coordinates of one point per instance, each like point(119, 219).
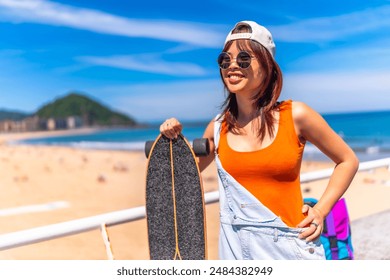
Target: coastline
point(15, 136)
point(85, 182)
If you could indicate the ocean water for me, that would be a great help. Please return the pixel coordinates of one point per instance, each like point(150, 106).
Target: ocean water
point(368, 134)
point(113, 139)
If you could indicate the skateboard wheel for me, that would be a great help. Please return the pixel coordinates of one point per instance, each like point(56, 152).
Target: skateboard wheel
point(148, 147)
point(201, 147)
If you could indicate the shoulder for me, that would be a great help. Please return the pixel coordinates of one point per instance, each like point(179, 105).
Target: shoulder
point(302, 112)
point(209, 131)
point(306, 119)
point(299, 110)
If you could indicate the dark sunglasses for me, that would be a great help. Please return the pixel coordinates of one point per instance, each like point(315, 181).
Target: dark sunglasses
point(243, 60)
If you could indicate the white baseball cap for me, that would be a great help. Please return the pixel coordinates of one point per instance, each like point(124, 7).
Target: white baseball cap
point(259, 34)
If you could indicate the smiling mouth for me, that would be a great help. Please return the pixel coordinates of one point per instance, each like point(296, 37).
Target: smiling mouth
point(235, 77)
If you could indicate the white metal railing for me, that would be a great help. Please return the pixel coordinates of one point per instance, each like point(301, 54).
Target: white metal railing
point(44, 233)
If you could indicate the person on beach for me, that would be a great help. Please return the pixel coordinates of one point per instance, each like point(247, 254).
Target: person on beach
point(257, 144)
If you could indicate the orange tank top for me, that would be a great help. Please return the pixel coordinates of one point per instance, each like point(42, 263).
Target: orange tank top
point(272, 173)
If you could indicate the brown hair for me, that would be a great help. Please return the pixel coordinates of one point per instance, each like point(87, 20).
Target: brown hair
point(266, 99)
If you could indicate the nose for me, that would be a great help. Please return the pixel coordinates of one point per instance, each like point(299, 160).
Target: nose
point(233, 63)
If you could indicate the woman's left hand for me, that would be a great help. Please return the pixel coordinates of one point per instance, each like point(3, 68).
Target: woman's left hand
point(314, 221)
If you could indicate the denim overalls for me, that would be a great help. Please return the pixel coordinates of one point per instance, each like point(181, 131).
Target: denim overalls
point(249, 230)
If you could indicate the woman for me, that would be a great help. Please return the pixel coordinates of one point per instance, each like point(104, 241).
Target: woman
point(257, 144)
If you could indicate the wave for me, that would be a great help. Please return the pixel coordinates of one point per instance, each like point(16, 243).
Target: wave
point(363, 152)
point(130, 146)
point(94, 145)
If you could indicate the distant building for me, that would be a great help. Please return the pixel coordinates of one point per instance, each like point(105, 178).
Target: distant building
point(6, 125)
point(74, 122)
point(35, 123)
point(31, 123)
point(12, 126)
point(51, 124)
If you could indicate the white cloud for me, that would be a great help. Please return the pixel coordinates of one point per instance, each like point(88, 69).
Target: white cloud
point(325, 29)
point(147, 63)
point(188, 100)
point(369, 55)
point(340, 92)
point(48, 12)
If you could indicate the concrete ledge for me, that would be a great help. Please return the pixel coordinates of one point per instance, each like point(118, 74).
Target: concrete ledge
point(370, 237)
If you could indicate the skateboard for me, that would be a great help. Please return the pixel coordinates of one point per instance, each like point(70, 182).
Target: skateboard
point(174, 199)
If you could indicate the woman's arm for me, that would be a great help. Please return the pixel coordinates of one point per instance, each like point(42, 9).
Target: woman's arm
point(209, 134)
point(310, 126)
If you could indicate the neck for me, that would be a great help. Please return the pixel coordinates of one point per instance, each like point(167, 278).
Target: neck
point(246, 110)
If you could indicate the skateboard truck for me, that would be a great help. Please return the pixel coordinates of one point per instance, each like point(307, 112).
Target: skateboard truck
point(200, 146)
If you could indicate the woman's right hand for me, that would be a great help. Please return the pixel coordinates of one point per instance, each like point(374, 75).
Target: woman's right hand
point(171, 128)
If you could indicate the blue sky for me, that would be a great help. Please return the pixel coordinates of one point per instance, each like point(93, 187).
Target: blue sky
point(157, 59)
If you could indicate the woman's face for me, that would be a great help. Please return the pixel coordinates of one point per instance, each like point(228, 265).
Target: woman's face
point(242, 81)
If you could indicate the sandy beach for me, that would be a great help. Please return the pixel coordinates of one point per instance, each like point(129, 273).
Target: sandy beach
point(78, 183)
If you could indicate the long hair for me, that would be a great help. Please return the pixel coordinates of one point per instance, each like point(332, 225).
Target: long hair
point(265, 101)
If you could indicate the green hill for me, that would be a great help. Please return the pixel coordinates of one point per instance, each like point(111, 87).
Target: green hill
point(91, 112)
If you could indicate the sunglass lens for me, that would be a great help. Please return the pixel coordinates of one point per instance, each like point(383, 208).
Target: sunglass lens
point(224, 61)
point(244, 59)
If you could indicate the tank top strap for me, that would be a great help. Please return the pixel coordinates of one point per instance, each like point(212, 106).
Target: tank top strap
point(287, 122)
point(217, 130)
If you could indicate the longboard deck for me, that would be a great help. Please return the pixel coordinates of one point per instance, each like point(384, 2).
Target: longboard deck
point(174, 202)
